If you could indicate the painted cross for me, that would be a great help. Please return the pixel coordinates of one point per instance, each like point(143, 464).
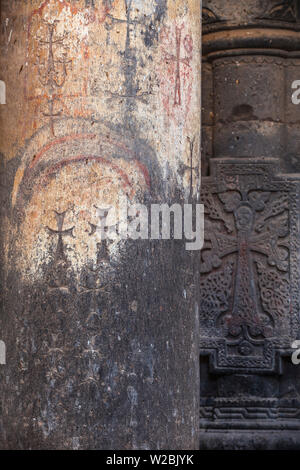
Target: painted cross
point(179, 60)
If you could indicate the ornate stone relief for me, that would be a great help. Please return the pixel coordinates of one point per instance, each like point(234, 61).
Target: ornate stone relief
point(249, 293)
point(283, 11)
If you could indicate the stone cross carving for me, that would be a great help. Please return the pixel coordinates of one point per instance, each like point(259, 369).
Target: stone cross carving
point(246, 289)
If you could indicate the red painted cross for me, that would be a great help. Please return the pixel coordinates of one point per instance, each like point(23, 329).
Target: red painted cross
point(188, 46)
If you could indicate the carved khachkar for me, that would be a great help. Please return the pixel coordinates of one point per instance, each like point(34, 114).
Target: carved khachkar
point(249, 273)
point(249, 305)
point(249, 293)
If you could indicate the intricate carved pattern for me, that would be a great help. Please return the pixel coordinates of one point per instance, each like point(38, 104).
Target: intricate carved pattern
point(214, 211)
point(214, 294)
point(225, 61)
point(284, 11)
point(249, 413)
point(251, 225)
point(274, 290)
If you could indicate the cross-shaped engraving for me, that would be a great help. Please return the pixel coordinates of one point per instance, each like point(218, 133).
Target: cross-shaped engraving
point(132, 89)
point(103, 229)
point(95, 279)
point(53, 72)
point(255, 233)
point(129, 21)
point(188, 46)
point(94, 282)
point(248, 288)
point(60, 232)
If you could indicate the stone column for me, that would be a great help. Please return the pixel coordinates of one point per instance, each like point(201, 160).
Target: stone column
point(102, 106)
point(249, 290)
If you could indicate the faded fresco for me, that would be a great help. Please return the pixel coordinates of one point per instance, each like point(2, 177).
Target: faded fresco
point(102, 104)
point(109, 97)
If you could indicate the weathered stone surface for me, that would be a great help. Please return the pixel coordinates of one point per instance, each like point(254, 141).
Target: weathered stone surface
point(249, 288)
point(102, 102)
